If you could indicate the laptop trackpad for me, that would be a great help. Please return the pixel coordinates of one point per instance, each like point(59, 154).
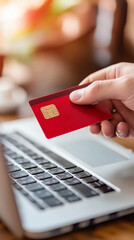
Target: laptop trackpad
point(92, 152)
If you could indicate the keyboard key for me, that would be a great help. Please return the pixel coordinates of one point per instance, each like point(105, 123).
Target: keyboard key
point(23, 192)
point(40, 147)
point(12, 181)
point(5, 136)
point(50, 181)
point(26, 180)
point(34, 187)
point(31, 198)
point(8, 152)
point(101, 183)
point(56, 171)
point(72, 181)
point(2, 136)
point(21, 160)
point(43, 194)
point(9, 163)
point(63, 162)
point(83, 174)
point(90, 179)
point(72, 198)
point(13, 168)
point(53, 202)
point(31, 153)
point(95, 184)
point(4, 147)
point(18, 187)
point(66, 193)
point(58, 187)
point(64, 176)
point(39, 206)
point(15, 143)
point(19, 174)
point(41, 160)
point(106, 189)
point(23, 148)
point(85, 190)
point(29, 165)
point(13, 155)
point(49, 165)
point(34, 171)
point(27, 150)
point(43, 176)
point(20, 145)
point(36, 157)
point(76, 170)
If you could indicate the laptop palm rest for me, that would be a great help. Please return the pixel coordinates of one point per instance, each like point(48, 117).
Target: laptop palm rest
point(95, 153)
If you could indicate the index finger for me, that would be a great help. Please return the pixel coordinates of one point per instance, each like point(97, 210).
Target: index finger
point(103, 74)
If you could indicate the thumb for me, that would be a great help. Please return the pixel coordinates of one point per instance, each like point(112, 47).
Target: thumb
point(98, 91)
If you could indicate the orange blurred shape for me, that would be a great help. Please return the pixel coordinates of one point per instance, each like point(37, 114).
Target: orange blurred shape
point(33, 16)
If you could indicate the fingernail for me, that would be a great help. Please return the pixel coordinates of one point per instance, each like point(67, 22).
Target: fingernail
point(119, 134)
point(107, 136)
point(118, 131)
point(76, 95)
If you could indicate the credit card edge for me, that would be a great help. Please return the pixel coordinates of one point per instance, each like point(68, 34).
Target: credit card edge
point(56, 95)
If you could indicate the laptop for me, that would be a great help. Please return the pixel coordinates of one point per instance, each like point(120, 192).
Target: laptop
point(52, 187)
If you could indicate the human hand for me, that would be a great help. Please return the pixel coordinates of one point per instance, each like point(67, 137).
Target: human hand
point(115, 86)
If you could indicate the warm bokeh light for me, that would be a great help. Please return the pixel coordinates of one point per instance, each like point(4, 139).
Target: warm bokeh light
point(26, 25)
point(71, 26)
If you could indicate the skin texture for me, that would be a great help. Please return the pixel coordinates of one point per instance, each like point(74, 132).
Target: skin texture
point(115, 86)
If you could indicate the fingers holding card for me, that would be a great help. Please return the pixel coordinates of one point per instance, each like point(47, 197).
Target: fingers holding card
point(57, 115)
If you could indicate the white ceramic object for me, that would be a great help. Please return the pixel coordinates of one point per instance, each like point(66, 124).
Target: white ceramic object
point(11, 96)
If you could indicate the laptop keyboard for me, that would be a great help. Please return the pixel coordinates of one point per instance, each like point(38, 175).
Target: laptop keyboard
point(44, 177)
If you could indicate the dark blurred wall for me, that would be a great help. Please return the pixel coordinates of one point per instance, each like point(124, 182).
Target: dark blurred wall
point(129, 30)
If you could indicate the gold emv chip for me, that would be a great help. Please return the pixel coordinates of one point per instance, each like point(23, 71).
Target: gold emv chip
point(50, 111)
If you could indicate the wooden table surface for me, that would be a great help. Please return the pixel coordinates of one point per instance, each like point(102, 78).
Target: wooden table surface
point(119, 229)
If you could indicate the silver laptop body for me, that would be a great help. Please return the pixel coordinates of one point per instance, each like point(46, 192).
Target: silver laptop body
point(111, 164)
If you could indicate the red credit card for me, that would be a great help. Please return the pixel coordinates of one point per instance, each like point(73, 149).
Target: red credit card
point(57, 115)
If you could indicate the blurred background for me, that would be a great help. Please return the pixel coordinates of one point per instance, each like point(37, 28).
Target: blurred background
point(49, 45)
